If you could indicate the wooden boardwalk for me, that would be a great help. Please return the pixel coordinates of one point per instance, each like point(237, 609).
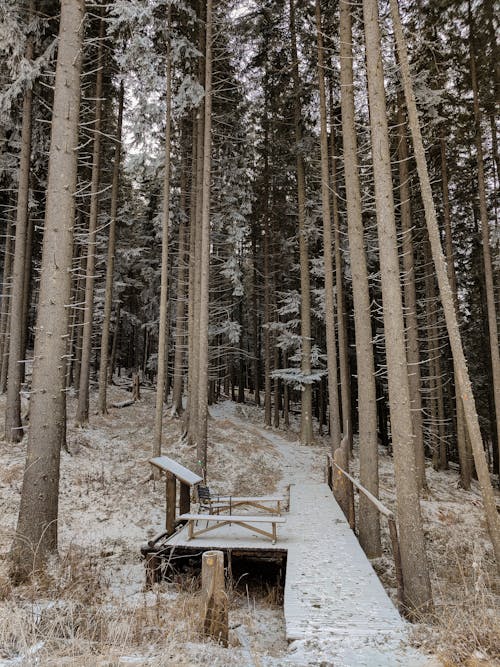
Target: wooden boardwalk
point(334, 602)
point(336, 611)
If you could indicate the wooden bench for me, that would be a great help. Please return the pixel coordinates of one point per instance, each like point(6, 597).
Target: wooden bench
point(243, 520)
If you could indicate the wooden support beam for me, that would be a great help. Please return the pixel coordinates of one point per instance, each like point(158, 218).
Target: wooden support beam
point(215, 607)
point(171, 488)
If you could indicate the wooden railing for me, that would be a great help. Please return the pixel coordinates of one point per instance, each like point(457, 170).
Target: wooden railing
point(342, 483)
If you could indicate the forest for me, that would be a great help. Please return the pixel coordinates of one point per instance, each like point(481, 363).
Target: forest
point(259, 237)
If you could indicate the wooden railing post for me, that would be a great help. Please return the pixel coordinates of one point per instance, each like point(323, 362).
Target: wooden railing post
point(215, 612)
point(393, 532)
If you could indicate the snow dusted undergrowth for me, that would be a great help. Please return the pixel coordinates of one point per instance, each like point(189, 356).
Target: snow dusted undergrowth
point(93, 609)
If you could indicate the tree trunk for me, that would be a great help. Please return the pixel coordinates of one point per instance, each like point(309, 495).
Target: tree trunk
point(82, 410)
point(181, 295)
point(464, 384)
point(485, 234)
point(369, 520)
point(163, 323)
point(36, 533)
point(110, 264)
point(331, 345)
point(4, 316)
point(306, 429)
point(410, 296)
point(345, 379)
point(413, 555)
point(462, 441)
point(202, 417)
point(13, 426)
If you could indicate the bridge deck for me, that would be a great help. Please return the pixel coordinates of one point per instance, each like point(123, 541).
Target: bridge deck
point(330, 584)
point(334, 601)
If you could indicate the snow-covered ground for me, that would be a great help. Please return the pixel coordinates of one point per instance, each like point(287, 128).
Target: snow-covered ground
point(93, 609)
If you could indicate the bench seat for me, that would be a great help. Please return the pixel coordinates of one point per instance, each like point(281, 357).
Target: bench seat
point(244, 520)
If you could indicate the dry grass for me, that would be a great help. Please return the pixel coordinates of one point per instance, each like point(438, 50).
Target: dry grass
point(72, 616)
point(464, 628)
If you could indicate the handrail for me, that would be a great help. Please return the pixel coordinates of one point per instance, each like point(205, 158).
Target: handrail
point(393, 531)
point(381, 508)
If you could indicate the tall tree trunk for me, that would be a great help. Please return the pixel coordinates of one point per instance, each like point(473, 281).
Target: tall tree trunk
point(331, 344)
point(485, 233)
point(181, 295)
point(410, 296)
point(255, 321)
point(190, 404)
point(202, 434)
point(82, 410)
point(436, 397)
point(462, 440)
point(345, 379)
point(110, 264)
point(5, 314)
point(13, 426)
point(195, 294)
point(369, 520)
point(267, 268)
point(306, 429)
point(78, 322)
point(464, 384)
point(163, 320)
point(413, 555)
point(36, 532)
point(114, 345)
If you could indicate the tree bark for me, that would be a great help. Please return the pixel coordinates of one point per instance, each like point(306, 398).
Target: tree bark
point(331, 343)
point(202, 417)
point(345, 380)
point(464, 384)
point(306, 429)
point(181, 295)
point(82, 410)
point(413, 555)
point(13, 426)
point(369, 520)
point(462, 442)
point(485, 234)
point(36, 532)
point(163, 323)
point(410, 297)
point(110, 264)
point(5, 315)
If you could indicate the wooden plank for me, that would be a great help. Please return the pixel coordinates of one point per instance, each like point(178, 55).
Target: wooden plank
point(165, 464)
point(330, 585)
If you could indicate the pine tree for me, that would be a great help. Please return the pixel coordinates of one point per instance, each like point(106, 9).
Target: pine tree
point(36, 532)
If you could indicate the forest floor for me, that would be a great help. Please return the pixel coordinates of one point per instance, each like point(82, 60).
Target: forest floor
point(92, 608)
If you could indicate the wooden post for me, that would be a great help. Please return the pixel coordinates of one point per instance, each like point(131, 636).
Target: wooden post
point(170, 497)
point(215, 612)
point(136, 387)
point(393, 532)
point(342, 487)
point(184, 499)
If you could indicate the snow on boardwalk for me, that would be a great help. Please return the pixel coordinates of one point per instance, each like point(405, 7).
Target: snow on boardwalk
point(334, 601)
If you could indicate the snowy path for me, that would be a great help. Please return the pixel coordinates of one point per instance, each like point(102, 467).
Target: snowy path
point(335, 607)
